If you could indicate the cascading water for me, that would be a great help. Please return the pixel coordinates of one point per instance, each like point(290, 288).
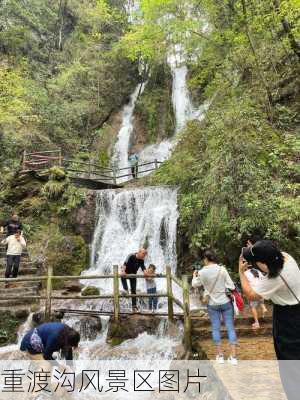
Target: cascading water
point(120, 155)
point(128, 219)
point(183, 108)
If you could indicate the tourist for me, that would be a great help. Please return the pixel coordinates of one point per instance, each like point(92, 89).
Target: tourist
point(12, 225)
point(133, 263)
point(216, 280)
point(15, 246)
point(281, 285)
point(151, 286)
point(41, 342)
point(252, 274)
point(133, 161)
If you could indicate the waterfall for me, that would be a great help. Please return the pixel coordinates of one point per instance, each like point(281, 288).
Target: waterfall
point(184, 110)
point(129, 219)
point(120, 154)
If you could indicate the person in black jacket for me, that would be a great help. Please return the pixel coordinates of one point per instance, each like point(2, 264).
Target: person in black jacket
point(131, 266)
point(13, 225)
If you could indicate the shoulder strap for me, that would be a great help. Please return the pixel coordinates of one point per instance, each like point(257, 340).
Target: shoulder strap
point(215, 282)
point(290, 289)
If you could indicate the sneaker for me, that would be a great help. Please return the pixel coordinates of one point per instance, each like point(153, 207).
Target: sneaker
point(220, 359)
point(135, 310)
point(255, 325)
point(232, 360)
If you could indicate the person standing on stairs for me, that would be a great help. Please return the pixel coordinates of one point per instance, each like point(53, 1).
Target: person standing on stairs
point(15, 246)
point(253, 273)
point(12, 225)
point(133, 161)
point(216, 280)
point(131, 266)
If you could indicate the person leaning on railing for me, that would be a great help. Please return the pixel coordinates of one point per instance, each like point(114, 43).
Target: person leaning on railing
point(131, 266)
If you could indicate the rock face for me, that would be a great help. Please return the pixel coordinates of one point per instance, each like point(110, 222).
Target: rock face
point(88, 327)
point(129, 327)
point(84, 217)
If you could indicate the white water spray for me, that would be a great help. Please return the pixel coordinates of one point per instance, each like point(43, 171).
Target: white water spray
point(128, 219)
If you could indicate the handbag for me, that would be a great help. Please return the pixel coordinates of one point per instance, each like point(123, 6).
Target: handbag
point(204, 298)
point(238, 299)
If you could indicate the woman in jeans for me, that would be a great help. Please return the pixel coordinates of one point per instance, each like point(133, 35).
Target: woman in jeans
point(215, 280)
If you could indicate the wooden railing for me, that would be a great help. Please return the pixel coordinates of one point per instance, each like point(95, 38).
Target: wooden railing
point(41, 160)
point(115, 296)
point(46, 159)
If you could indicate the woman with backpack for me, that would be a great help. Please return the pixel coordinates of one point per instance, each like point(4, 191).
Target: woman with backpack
point(41, 342)
point(216, 282)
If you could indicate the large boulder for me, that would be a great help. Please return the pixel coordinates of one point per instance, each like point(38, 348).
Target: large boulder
point(129, 327)
point(84, 217)
point(88, 327)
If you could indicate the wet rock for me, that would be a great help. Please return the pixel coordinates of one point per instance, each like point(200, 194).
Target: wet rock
point(39, 317)
point(129, 327)
point(88, 327)
point(90, 291)
point(72, 287)
point(84, 217)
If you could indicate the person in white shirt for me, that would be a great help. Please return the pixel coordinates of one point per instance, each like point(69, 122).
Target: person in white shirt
point(215, 280)
point(254, 275)
point(281, 285)
point(15, 245)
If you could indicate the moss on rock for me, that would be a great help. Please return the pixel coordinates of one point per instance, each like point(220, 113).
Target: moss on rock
point(9, 325)
point(90, 291)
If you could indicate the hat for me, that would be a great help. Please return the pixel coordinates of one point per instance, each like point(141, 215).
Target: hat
point(262, 250)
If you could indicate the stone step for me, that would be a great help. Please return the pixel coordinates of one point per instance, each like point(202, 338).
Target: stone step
point(24, 285)
point(205, 322)
point(10, 302)
point(241, 331)
point(23, 264)
point(22, 270)
point(3, 255)
point(18, 291)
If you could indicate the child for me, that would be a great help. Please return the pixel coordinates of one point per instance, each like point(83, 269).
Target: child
point(253, 275)
point(151, 286)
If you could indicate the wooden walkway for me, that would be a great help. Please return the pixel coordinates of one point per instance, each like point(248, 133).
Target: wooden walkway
point(50, 295)
point(85, 173)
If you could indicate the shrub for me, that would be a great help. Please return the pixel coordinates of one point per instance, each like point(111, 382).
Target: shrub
point(90, 291)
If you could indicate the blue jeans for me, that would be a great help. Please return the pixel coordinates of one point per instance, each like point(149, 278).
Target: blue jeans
point(152, 300)
point(215, 313)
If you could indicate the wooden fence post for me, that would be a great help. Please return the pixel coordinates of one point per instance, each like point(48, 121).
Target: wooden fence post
point(116, 293)
point(170, 294)
point(48, 293)
point(114, 176)
point(186, 312)
point(24, 160)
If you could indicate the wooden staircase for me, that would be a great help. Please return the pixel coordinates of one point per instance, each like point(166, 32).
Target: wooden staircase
point(14, 303)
